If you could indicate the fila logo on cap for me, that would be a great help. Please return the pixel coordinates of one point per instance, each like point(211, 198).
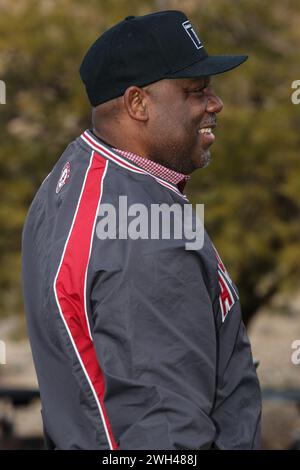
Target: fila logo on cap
point(192, 34)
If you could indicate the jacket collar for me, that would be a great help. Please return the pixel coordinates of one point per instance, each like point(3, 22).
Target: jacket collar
point(165, 176)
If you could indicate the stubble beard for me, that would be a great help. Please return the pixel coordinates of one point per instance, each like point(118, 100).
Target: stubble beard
point(206, 159)
point(178, 157)
point(184, 164)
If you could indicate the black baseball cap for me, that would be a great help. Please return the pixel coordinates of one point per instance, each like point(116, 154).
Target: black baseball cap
point(140, 50)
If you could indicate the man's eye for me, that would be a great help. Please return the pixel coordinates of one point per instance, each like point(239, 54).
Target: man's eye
point(198, 90)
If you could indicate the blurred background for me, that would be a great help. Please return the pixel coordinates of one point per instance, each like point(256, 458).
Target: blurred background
point(250, 190)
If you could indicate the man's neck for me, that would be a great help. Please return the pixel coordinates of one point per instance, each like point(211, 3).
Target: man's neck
point(97, 134)
point(112, 142)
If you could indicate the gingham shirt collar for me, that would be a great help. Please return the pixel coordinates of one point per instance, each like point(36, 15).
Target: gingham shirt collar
point(155, 169)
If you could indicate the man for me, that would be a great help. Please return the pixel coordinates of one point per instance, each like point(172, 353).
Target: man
point(138, 342)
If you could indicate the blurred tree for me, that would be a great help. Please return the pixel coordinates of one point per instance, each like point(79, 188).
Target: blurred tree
point(251, 188)
point(42, 44)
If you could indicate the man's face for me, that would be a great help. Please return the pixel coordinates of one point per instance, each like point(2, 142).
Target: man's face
point(178, 109)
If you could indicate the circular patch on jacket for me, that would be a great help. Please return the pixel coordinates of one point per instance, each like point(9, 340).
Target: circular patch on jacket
point(64, 176)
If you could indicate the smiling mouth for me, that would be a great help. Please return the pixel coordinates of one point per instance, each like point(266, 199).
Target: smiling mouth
point(206, 135)
point(205, 130)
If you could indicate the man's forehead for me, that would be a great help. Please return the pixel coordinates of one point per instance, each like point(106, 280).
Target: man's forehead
point(179, 83)
point(183, 83)
point(194, 81)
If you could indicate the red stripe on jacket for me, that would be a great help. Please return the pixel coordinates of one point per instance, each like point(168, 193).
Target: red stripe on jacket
point(70, 283)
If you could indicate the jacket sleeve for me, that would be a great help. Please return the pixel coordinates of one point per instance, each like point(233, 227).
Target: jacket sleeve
point(237, 410)
point(154, 336)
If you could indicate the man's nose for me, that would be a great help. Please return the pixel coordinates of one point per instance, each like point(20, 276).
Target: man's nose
point(214, 104)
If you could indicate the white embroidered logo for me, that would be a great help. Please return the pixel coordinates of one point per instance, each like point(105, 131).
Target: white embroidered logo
point(192, 34)
point(64, 176)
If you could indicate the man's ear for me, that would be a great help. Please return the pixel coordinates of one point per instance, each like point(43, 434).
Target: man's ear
point(135, 102)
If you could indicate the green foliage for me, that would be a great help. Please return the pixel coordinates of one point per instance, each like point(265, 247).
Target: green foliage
point(251, 188)
point(42, 44)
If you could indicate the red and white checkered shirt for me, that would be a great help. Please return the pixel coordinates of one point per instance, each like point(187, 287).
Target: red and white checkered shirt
point(156, 169)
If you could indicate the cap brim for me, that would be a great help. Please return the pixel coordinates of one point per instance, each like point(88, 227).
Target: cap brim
point(211, 65)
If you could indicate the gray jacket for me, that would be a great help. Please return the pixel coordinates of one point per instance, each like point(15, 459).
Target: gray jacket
point(137, 343)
